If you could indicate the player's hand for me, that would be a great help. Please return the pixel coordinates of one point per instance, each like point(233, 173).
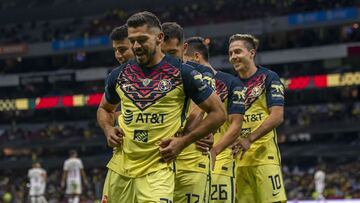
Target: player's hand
point(114, 136)
point(205, 144)
point(213, 158)
point(86, 183)
point(171, 147)
point(241, 145)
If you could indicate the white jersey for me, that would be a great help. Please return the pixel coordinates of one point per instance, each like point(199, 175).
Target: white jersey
point(73, 167)
point(37, 181)
point(319, 177)
point(73, 179)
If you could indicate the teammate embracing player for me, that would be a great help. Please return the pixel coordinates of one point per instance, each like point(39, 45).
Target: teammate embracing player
point(153, 91)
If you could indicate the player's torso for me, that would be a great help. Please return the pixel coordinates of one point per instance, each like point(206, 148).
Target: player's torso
point(191, 159)
point(265, 149)
point(153, 107)
point(36, 176)
point(74, 166)
point(224, 159)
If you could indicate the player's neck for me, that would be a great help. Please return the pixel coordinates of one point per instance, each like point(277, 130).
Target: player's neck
point(206, 63)
point(248, 72)
point(156, 59)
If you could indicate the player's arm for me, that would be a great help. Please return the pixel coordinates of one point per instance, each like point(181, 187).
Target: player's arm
point(230, 135)
point(195, 117)
point(106, 111)
point(209, 102)
point(44, 175)
point(275, 101)
point(83, 175)
point(275, 118)
point(63, 179)
point(236, 111)
point(105, 118)
point(216, 116)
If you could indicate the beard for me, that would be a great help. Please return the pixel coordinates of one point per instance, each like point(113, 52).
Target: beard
point(146, 58)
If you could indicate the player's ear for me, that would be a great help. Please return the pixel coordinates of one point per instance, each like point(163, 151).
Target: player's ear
point(160, 38)
point(185, 46)
point(197, 57)
point(252, 53)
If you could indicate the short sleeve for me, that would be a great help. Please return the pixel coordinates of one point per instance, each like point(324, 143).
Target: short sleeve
point(236, 101)
point(66, 167)
point(81, 166)
point(274, 90)
point(110, 87)
point(194, 86)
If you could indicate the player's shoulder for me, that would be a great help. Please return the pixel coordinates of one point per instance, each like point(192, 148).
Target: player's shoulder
point(116, 71)
point(228, 78)
point(172, 61)
point(269, 73)
point(200, 68)
point(223, 75)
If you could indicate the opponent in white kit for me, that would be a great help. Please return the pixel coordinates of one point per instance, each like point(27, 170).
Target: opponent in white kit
point(37, 177)
point(73, 172)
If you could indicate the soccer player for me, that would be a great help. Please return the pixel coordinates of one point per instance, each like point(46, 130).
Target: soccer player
point(122, 51)
point(319, 179)
point(191, 178)
point(153, 91)
point(73, 173)
point(120, 44)
point(231, 92)
point(37, 177)
point(258, 176)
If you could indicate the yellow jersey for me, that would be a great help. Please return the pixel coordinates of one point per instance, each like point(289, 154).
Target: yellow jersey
point(154, 103)
point(263, 90)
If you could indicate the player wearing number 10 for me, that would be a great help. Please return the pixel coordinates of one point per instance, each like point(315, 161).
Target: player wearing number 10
point(258, 176)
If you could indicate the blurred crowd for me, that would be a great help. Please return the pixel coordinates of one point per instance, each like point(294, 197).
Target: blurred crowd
point(310, 115)
point(85, 131)
point(195, 13)
point(342, 181)
point(14, 187)
point(217, 46)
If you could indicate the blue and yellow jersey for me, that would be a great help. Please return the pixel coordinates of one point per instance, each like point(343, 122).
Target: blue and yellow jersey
point(207, 73)
point(153, 103)
point(263, 90)
point(231, 92)
point(191, 159)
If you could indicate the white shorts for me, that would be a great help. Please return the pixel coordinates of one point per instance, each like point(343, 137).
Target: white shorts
point(319, 188)
point(73, 187)
point(37, 190)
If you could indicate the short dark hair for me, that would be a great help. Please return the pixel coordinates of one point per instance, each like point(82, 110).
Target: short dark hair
point(173, 30)
point(196, 44)
point(143, 18)
point(119, 33)
point(73, 153)
point(251, 42)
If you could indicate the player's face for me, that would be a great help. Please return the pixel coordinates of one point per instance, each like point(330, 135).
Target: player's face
point(143, 42)
point(173, 47)
point(239, 55)
point(122, 50)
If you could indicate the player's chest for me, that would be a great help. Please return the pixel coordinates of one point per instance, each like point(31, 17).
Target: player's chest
point(255, 92)
point(161, 87)
point(221, 90)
